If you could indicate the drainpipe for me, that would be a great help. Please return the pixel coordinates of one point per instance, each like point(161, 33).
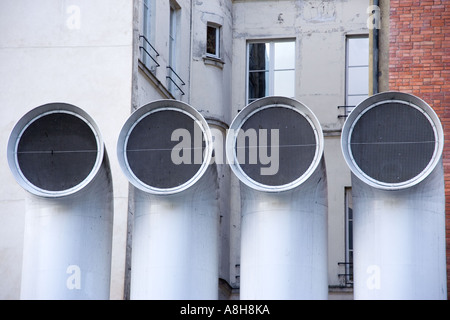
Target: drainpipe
point(165, 150)
point(283, 198)
point(393, 144)
point(56, 153)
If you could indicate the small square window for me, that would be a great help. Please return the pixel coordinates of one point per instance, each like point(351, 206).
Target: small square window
point(213, 41)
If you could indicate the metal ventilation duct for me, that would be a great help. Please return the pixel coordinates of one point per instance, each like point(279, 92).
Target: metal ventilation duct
point(56, 153)
point(165, 150)
point(393, 144)
point(275, 148)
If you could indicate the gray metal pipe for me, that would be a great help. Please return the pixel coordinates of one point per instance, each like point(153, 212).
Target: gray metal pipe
point(56, 153)
point(393, 144)
point(275, 148)
point(165, 150)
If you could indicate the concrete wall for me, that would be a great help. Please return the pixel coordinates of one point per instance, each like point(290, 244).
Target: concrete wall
point(78, 52)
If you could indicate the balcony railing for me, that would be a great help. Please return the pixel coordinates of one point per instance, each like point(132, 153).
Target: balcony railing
point(148, 54)
point(174, 81)
point(347, 277)
point(347, 111)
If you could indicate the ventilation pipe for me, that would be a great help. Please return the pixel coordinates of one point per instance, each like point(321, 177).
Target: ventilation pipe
point(165, 150)
point(57, 155)
point(393, 144)
point(275, 148)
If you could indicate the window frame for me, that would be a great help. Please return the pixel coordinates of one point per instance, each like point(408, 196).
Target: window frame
point(350, 106)
point(272, 70)
point(148, 54)
point(173, 34)
point(218, 32)
point(349, 236)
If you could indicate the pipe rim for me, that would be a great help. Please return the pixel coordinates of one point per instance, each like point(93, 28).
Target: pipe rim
point(400, 98)
point(260, 105)
point(141, 113)
point(26, 121)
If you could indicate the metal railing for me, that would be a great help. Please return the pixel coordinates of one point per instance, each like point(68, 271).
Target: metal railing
point(348, 275)
point(146, 48)
point(169, 77)
point(348, 110)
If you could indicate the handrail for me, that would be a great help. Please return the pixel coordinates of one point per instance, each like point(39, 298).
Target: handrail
point(148, 53)
point(170, 78)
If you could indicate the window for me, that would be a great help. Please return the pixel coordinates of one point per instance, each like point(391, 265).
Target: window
point(174, 81)
point(213, 41)
point(357, 70)
point(271, 69)
point(173, 38)
point(348, 236)
point(347, 277)
point(148, 53)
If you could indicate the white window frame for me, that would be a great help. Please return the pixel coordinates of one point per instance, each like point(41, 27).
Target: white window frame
point(217, 42)
point(173, 33)
point(271, 69)
point(147, 27)
point(349, 235)
point(148, 33)
point(348, 39)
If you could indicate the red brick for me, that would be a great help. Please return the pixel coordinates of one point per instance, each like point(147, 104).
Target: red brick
point(420, 64)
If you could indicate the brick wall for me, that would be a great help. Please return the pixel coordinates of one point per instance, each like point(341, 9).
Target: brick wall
point(419, 53)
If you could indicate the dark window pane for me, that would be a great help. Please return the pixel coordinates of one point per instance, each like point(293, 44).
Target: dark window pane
point(258, 56)
point(258, 85)
point(211, 41)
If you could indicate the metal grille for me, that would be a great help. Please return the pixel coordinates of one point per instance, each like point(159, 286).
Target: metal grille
point(296, 146)
point(56, 152)
point(393, 142)
point(150, 149)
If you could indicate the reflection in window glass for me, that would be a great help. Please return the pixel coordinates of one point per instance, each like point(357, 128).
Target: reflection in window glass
point(284, 83)
point(357, 88)
point(358, 51)
point(285, 55)
point(358, 81)
point(258, 85)
point(271, 69)
point(213, 41)
point(259, 57)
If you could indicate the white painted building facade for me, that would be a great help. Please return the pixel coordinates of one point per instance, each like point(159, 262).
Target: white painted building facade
point(112, 57)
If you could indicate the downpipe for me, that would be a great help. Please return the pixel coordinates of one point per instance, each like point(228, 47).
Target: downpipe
point(165, 150)
point(275, 148)
point(393, 144)
point(56, 153)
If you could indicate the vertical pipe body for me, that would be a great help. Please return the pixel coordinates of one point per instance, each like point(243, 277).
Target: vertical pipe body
point(68, 225)
point(284, 242)
point(175, 243)
point(399, 241)
point(176, 222)
point(284, 213)
point(393, 144)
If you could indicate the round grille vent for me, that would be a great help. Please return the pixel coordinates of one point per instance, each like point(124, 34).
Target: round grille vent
point(55, 150)
point(392, 140)
point(164, 147)
point(274, 144)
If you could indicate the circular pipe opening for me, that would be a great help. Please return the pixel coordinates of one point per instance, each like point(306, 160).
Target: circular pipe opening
point(274, 144)
point(392, 140)
point(54, 150)
point(165, 147)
